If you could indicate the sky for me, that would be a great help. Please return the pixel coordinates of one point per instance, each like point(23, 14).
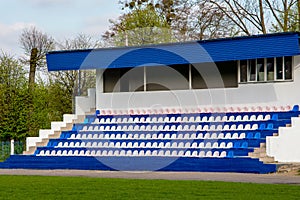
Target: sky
point(61, 19)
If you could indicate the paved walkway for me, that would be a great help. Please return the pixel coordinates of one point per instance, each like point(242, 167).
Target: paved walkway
point(228, 177)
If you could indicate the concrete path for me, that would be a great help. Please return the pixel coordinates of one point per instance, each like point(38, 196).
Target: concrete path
point(228, 177)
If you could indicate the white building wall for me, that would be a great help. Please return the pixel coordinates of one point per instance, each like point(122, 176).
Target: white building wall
point(279, 93)
point(286, 146)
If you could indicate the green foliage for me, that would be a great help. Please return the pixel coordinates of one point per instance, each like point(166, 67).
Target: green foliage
point(142, 25)
point(24, 112)
point(41, 187)
point(5, 149)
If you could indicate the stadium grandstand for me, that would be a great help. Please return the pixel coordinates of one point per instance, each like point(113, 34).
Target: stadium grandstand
point(223, 105)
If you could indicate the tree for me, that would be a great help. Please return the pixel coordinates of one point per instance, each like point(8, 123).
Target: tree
point(13, 98)
point(141, 25)
point(253, 16)
point(74, 83)
point(35, 45)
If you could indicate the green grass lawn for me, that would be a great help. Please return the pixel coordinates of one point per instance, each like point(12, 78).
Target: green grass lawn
point(39, 187)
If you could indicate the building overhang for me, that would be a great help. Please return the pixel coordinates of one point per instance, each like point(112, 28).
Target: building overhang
point(217, 50)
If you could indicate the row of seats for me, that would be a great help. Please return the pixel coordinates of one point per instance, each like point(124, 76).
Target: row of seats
point(217, 144)
point(168, 153)
point(189, 136)
point(192, 127)
point(194, 110)
point(191, 119)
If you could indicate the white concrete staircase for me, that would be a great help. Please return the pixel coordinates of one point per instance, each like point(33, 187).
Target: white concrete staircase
point(56, 128)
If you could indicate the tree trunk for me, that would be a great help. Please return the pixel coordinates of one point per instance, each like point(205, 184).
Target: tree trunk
point(33, 63)
point(298, 5)
point(262, 17)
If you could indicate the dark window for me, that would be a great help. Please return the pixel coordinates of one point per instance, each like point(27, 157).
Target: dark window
point(243, 71)
point(270, 69)
point(288, 67)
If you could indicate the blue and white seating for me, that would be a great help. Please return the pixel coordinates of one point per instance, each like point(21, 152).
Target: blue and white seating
point(199, 139)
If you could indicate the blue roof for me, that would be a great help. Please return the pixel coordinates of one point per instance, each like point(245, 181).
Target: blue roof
point(227, 49)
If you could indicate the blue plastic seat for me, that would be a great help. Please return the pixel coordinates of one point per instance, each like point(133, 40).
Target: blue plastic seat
point(257, 135)
point(250, 135)
point(295, 108)
point(230, 154)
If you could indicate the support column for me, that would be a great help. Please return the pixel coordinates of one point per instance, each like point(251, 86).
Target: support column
point(12, 147)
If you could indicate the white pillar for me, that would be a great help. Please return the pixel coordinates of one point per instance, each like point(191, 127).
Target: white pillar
point(12, 147)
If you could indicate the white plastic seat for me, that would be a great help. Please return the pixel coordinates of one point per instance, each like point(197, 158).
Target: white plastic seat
point(181, 145)
point(208, 154)
point(100, 144)
point(208, 145)
point(105, 144)
point(174, 145)
point(215, 145)
point(214, 136)
point(60, 144)
point(98, 153)
point(260, 118)
point(82, 144)
point(161, 153)
point(242, 136)
point(95, 136)
point(201, 145)
point(161, 145)
point(229, 145)
point(142, 153)
point(168, 145)
point(202, 154)
point(223, 154)
point(222, 145)
point(76, 153)
point(129, 153)
point(216, 154)
point(123, 145)
point(77, 144)
point(180, 136)
point(148, 153)
point(111, 145)
point(194, 154)
point(199, 127)
point(154, 153)
point(187, 145)
point(64, 153)
point(207, 136)
point(221, 136)
point(160, 136)
point(235, 136)
point(187, 153)
point(148, 145)
point(192, 119)
point(174, 153)
point(238, 118)
point(142, 145)
point(167, 136)
point(194, 145)
point(186, 136)
point(135, 145)
point(200, 136)
point(122, 153)
point(116, 153)
point(228, 136)
point(94, 144)
point(154, 145)
point(53, 153)
point(167, 153)
point(204, 119)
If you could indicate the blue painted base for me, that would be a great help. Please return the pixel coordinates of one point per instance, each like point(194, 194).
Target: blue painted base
point(243, 165)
